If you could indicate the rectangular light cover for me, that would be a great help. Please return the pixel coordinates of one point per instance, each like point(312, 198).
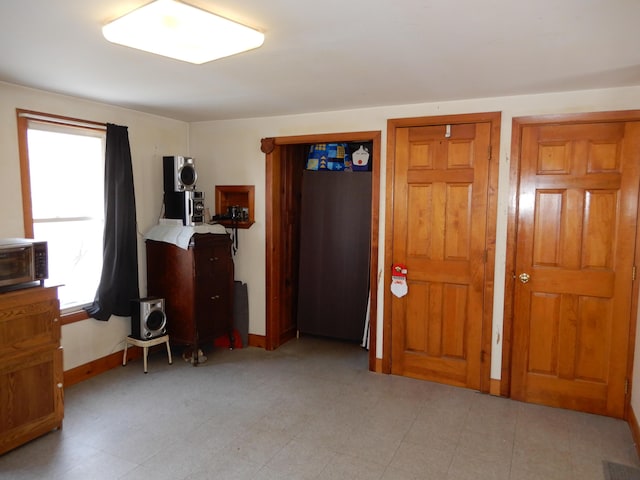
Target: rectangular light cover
point(177, 30)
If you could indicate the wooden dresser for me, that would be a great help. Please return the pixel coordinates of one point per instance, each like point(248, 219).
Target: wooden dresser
point(31, 374)
point(197, 285)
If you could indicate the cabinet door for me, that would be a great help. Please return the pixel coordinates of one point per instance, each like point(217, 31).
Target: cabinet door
point(214, 286)
point(210, 254)
point(31, 396)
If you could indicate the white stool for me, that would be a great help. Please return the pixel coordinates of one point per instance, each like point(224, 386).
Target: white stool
point(145, 344)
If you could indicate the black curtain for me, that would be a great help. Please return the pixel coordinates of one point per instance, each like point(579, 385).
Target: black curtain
point(119, 279)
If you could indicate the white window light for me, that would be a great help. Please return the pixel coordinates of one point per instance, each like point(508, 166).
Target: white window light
point(177, 30)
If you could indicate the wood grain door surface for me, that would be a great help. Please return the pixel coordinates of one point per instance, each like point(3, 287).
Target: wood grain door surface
point(439, 233)
point(575, 248)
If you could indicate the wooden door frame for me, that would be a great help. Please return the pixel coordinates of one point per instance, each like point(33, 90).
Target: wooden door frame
point(494, 118)
point(518, 124)
point(275, 221)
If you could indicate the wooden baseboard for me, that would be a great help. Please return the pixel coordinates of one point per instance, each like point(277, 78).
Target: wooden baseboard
point(259, 341)
point(632, 420)
point(378, 366)
point(494, 387)
point(289, 335)
point(101, 365)
point(98, 366)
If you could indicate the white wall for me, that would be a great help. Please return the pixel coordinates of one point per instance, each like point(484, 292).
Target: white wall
point(150, 138)
point(228, 152)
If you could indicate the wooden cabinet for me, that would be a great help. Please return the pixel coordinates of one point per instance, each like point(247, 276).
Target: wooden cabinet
point(31, 375)
point(197, 285)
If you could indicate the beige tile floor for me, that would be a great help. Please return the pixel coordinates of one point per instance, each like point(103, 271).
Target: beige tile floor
point(309, 410)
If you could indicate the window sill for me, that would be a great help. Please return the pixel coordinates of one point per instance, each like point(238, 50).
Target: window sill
point(72, 317)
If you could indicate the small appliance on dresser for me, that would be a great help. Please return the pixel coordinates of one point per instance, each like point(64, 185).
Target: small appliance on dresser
point(23, 263)
point(181, 200)
point(185, 206)
point(180, 173)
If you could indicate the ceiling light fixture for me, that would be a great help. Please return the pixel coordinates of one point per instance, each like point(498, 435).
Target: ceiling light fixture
point(177, 30)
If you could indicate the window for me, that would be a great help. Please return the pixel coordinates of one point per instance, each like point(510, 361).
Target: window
point(62, 162)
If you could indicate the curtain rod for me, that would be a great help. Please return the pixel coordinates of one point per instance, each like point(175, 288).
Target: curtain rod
point(60, 120)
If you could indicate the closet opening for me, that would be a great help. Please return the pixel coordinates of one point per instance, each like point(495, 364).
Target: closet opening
point(288, 225)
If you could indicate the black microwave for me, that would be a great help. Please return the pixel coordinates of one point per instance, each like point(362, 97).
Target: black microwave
point(23, 263)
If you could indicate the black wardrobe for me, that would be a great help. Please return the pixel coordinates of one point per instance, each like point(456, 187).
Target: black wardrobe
point(334, 253)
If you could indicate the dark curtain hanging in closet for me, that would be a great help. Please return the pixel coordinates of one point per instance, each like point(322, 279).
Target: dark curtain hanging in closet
point(334, 254)
point(119, 279)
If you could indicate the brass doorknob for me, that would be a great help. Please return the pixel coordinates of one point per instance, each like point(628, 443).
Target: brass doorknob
point(524, 277)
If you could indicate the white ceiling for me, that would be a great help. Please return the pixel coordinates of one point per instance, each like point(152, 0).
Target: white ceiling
point(322, 55)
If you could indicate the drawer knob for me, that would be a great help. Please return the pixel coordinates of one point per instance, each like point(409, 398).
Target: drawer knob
point(55, 319)
point(59, 385)
point(215, 297)
point(213, 259)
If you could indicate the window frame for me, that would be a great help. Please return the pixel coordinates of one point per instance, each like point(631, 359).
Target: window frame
point(23, 117)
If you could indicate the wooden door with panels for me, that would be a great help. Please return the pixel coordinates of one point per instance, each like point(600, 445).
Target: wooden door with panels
point(442, 229)
point(574, 251)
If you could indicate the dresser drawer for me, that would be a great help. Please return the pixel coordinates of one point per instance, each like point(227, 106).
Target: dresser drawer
point(29, 325)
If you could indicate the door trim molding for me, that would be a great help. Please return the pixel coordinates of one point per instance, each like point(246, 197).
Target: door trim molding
point(518, 124)
point(494, 118)
point(274, 219)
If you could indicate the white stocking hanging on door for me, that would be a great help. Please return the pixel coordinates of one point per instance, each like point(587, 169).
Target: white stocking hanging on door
point(399, 280)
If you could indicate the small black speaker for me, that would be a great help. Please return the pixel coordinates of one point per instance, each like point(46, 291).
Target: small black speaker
point(148, 319)
point(186, 206)
point(174, 205)
point(179, 174)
